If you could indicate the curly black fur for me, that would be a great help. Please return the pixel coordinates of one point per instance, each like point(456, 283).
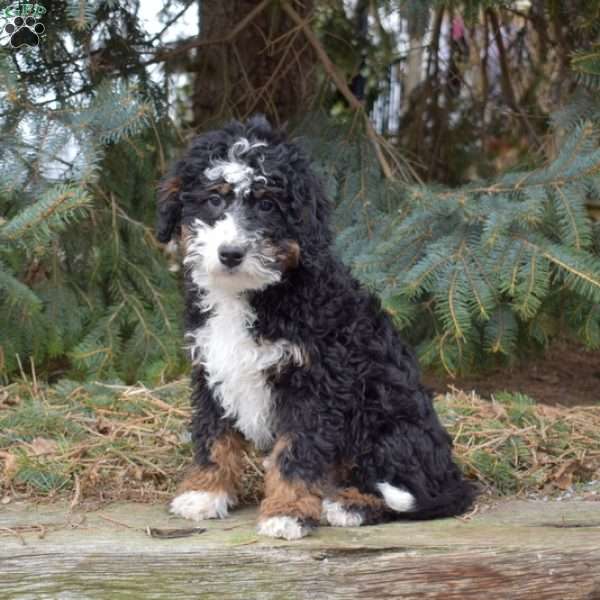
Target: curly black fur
point(357, 400)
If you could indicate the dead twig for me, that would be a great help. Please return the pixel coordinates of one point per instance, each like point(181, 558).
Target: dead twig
point(170, 534)
point(197, 43)
point(341, 85)
point(77, 493)
point(120, 523)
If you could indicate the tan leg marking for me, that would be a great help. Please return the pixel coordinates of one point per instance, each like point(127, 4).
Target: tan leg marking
point(227, 454)
point(208, 492)
point(354, 498)
point(349, 507)
point(288, 498)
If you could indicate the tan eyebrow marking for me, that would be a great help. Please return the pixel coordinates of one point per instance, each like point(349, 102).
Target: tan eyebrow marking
point(261, 191)
point(222, 188)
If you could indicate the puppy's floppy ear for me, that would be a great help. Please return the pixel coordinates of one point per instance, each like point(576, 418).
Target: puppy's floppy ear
point(313, 208)
point(168, 210)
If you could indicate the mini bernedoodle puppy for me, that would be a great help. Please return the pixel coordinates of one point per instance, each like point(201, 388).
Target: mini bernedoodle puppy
point(290, 353)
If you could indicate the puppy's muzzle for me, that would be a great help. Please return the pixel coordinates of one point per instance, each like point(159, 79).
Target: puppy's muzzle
point(231, 256)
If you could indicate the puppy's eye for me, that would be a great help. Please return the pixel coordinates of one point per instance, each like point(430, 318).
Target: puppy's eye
point(215, 201)
point(265, 205)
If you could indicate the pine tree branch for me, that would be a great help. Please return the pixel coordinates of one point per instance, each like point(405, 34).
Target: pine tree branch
point(57, 206)
point(569, 212)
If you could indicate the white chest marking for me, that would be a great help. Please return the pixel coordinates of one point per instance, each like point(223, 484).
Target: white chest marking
point(235, 364)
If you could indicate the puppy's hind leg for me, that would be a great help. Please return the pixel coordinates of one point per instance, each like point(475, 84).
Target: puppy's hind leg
point(349, 507)
point(418, 478)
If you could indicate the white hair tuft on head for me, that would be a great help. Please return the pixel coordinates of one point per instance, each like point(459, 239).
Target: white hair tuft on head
point(234, 170)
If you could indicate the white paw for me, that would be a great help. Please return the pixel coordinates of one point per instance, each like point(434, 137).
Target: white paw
point(337, 516)
point(288, 528)
point(201, 505)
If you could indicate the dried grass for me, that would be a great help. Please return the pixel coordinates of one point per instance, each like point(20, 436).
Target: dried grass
point(514, 446)
point(101, 442)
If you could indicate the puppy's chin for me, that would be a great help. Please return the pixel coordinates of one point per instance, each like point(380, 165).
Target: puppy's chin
point(236, 281)
point(249, 276)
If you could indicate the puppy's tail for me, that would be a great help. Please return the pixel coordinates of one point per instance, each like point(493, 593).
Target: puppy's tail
point(454, 501)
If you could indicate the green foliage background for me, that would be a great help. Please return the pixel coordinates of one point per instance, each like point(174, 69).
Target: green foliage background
point(85, 289)
point(473, 273)
point(488, 270)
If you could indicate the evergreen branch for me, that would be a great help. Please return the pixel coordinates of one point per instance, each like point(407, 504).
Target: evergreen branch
point(569, 213)
point(514, 273)
point(138, 309)
point(581, 143)
point(533, 287)
point(16, 293)
point(574, 220)
point(153, 292)
point(416, 284)
point(590, 277)
point(583, 268)
point(106, 350)
point(589, 168)
point(51, 213)
point(458, 332)
point(82, 13)
point(171, 21)
point(531, 280)
point(586, 65)
point(481, 305)
point(99, 343)
point(501, 331)
point(445, 357)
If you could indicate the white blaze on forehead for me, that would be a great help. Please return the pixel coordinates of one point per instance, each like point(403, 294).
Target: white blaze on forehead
point(234, 170)
point(224, 231)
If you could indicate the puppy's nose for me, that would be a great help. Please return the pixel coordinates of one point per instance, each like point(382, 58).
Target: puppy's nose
point(231, 256)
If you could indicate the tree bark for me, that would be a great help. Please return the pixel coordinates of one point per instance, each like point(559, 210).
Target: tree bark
point(267, 67)
point(414, 67)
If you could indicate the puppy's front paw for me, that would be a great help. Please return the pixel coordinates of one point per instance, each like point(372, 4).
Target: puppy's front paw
point(288, 528)
point(201, 505)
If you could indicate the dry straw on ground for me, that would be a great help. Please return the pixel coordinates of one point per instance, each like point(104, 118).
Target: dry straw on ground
point(101, 442)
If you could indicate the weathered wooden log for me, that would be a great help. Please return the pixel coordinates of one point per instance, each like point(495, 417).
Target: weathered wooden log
point(529, 550)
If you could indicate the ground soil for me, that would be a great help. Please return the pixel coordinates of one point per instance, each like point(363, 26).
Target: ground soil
point(568, 375)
